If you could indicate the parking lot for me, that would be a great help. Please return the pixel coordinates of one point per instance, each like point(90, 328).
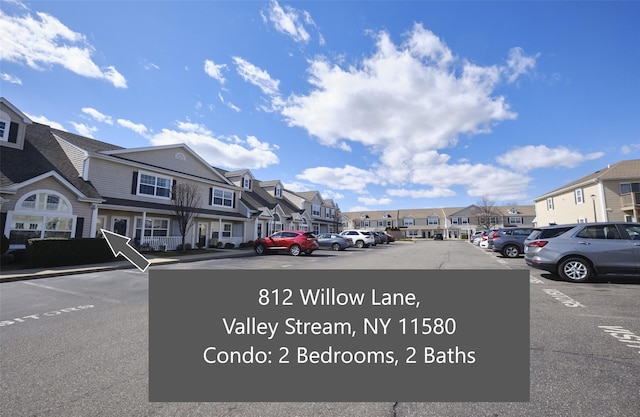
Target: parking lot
point(60, 357)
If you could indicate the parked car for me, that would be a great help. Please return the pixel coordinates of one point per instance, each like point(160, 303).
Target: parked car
point(487, 239)
point(334, 241)
point(361, 238)
point(390, 238)
point(293, 241)
point(438, 236)
point(509, 241)
point(475, 238)
point(381, 237)
point(581, 251)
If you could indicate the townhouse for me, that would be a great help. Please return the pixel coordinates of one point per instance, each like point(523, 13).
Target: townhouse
point(451, 222)
point(57, 184)
point(609, 194)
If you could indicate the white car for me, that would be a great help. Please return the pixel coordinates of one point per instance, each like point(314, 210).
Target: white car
point(361, 238)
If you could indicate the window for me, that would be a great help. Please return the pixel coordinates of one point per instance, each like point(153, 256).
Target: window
point(222, 198)
point(152, 227)
point(41, 214)
point(408, 221)
point(454, 220)
point(579, 196)
point(278, 191)
point(433, 221)
point(464, 220)
point(550, 203)
point(599, 232)
point(515, 220)
point(246, 182)
point(365, 223)
point(380, 223)
point(226, 229)
point(315, 210)
point(628, 187)
point(4, 130)
point(154, 185)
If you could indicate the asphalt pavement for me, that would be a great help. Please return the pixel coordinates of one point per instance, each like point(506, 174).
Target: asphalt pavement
point(119, 263)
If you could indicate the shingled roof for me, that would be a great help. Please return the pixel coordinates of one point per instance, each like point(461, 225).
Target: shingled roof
point(40, 155)
point(627, 169)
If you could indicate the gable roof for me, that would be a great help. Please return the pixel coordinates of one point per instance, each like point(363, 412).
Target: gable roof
point(627, 169)
point(44, 155)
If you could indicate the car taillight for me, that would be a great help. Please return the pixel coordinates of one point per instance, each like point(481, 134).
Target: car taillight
point(538, 243)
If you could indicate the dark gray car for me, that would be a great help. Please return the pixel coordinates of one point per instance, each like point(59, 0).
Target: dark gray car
point(580, 251)
point(509, 241)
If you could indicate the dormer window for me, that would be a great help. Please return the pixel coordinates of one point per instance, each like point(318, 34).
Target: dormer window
point(8, 129)
point(278, 191)
point(246, 183)
point(513, 210)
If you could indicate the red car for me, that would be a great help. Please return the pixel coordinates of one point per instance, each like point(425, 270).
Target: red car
point(293, 241)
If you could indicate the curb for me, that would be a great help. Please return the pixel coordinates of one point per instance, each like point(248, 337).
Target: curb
point(29, 274)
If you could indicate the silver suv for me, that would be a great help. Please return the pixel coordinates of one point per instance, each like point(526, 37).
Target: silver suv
point(509, 241)
point(361, 238)
point(577, 252)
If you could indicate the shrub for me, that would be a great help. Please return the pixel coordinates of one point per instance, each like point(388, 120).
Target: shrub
point(4, 244)
point(229, 245)
point(60, 251)
point(187, 246)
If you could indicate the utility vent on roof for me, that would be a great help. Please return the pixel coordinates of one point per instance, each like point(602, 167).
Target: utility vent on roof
point(180, 156)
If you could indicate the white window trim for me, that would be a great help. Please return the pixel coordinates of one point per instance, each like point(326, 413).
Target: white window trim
point(213, 197)
point(549, 203)
point(579, 195)
point(155, 186)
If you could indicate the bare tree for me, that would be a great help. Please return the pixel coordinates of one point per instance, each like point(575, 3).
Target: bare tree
point(486, 213)
point(185, 199)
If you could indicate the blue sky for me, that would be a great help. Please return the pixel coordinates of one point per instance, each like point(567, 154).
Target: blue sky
point(376, 104)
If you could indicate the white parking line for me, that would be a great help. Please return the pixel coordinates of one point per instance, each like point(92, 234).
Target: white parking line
point(79, 294)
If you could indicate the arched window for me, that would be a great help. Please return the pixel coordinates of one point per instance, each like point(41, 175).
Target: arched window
point(43, 213)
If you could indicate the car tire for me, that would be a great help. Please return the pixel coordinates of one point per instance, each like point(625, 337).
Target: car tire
point(308, 252)
point(511, 251)
point(295, 250)
point(360, 244)
point(335, 247)
point(260, 249)
point(575, 270)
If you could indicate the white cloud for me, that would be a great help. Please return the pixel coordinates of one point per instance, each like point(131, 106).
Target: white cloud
point(287, 20)
point(139, 128)
point(232, 152)
point(43, 41)
point(519, 64)
point(434, 192)
point(631, 148)
point(530, 157)
point(372, 201)
point(43, 120)
point(84, 130)
point(257, 76)
point(214, 70)
point(96, 115)
point(405, 103)
point(10, 78)
point(347, 178)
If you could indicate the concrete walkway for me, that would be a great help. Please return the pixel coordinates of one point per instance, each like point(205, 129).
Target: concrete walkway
point(118, 263)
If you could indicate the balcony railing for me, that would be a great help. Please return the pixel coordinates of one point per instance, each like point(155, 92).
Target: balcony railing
point(160, 243)
point(630, 200)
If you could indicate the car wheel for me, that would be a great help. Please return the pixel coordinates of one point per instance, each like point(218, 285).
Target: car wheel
point(308, 252)
point(575, 270)
point(260, 249)
point(359, 244)
point(295, 250)
point(335, 246)
point(511, 251)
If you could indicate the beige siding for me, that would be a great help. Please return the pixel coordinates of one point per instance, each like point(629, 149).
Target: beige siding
point(166, 158)
point(75, 155)
point(613, 207)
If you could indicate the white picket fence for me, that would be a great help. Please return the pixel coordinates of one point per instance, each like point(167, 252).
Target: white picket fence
point(160, 243)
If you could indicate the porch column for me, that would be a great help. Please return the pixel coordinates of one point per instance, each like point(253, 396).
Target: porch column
point(144, 220)
point(94, 220)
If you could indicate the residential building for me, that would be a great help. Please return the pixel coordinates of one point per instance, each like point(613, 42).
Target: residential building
point(324, 215)
point(609, 194)
point(57, 184)
point(451, 222)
